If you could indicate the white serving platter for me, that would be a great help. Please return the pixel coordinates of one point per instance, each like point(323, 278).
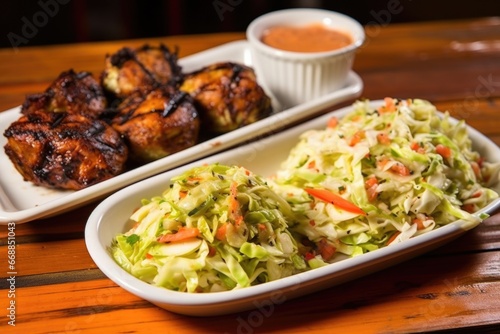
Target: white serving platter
point(262, 157)
point(21, 201)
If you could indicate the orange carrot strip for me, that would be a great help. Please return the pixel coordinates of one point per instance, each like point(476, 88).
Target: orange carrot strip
point(338, 201)
point(393, 237)
point(182, 234)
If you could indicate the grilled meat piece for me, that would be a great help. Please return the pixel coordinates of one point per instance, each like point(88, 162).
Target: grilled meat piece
point(63, 150)
point(145, 68)
point(75, 93)
point(157, 124)
point(227, 96)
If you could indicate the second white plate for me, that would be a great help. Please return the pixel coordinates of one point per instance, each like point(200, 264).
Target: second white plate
point(261, 157)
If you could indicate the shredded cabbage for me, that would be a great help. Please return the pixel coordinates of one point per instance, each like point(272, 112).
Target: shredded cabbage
point(385, 175)
point(242, 225)
point(409, 168)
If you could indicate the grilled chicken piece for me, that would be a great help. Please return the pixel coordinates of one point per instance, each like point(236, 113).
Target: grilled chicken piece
point(227, 96)
point(64, 151)
point(143, 69)
point(157, 124)
point(75, 93)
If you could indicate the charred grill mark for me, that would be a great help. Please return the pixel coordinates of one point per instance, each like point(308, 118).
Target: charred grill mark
point(24, 132)
point(76, 93)
point(94, 89)
point(95, 129)
point(69, 132)
point(121, 56)
point(59, 117)
point(125, 111)
point(61, 150)
point(82, 75)
point(124, 118)
point(227, 96)
point(128, 116)
point(105, 148)
point(172, 60)
point(237, 70)
point(171, 120)
point(108, 114)
point(146, 71)
point(126, 54)
point(40, 169)
point(174, 103)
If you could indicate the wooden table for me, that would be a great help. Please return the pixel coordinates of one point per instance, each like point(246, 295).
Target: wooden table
point(456, 288)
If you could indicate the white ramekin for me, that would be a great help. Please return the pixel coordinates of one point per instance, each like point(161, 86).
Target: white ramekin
point(297, 77)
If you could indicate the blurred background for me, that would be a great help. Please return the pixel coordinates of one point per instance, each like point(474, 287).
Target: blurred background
point(43, 22)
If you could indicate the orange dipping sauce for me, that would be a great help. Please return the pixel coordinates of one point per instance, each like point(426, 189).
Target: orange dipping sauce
point(310, 38)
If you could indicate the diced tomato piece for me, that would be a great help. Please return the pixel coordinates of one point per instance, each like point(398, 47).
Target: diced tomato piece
point(238, 220)
point(234, 205)
point(357, 137)
point(332, 122)
point(397, 168)
point(371, 181)
point(326, 249)
point(400, 169)
point(221, 232)
point(443, 151)
point(389, 105)
point(468, 207)
point(480, 161)
point(211, 251)
point(308, 256)
point(382, 162)
point(417, 148)
point(476, 169)
point(383, 138)
point(371, 185)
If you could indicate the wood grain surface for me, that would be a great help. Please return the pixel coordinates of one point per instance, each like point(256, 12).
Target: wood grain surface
point(456, 288)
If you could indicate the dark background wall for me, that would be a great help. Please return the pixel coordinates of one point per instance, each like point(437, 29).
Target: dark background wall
point(39, 22)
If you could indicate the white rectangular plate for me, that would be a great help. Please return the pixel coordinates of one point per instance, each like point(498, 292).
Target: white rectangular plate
point(21, 201)
point(262, 157)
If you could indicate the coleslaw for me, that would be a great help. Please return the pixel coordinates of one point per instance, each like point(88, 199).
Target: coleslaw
point(215, 228)
point(408, 169)
point(376, 177)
